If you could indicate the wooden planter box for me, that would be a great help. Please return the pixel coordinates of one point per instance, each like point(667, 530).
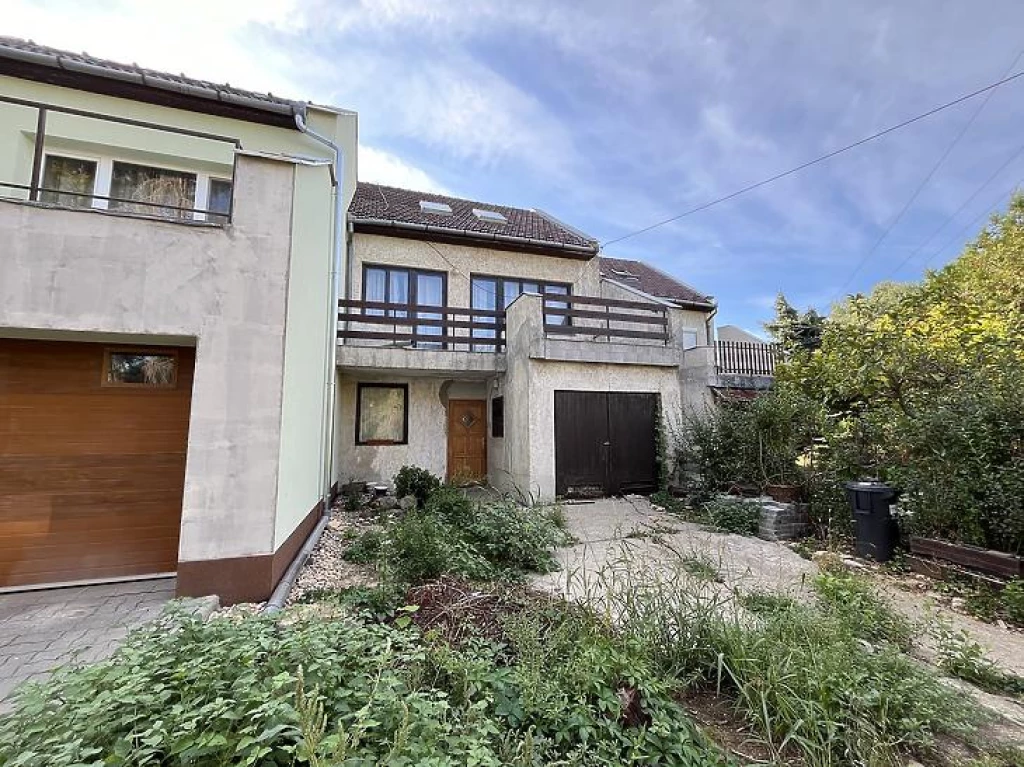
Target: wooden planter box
point(984, 560)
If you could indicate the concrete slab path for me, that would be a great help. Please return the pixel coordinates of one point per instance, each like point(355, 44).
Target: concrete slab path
point(41, 630)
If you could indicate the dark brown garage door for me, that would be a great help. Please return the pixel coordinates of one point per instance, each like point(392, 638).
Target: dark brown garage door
point(605, 443)
point(92, 459)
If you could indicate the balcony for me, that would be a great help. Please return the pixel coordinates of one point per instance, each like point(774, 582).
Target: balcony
point(392, 336)
point(746, 359)
point(81, 160)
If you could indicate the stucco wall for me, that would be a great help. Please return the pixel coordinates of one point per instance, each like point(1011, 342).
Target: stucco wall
point(460, 261)
point(309, 314)
point(85, 271)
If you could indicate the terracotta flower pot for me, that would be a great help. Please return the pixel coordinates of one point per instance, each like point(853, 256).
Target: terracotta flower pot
point(783, 493)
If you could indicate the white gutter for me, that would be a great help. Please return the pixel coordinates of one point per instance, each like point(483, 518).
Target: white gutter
point(331, 348)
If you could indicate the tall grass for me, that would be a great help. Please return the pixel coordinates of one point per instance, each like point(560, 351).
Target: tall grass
point(799, 673)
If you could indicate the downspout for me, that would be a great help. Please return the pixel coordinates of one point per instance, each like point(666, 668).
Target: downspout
point(330, 365)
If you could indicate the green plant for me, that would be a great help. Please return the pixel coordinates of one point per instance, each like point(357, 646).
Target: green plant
point(701, 566)
point(855, 601)
point(798, 673)
point(1012, 601)
point(365, 548)
point(959, 655)
point(415, 481)
point(733, 516)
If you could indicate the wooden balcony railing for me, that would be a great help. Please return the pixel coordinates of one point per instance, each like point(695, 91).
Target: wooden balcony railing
point(604, 318)
point(746, 358)
point(422, 327)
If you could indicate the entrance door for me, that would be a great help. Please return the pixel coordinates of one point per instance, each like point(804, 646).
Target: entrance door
point(467, 440)
point(605, 443)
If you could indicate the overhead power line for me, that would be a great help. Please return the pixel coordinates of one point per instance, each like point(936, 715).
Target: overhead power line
point(925, 181)
point(816, 160)
point(952, 216)
point(988, 211)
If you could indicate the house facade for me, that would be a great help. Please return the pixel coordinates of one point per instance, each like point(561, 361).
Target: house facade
point(493, 344)
point(166, 323)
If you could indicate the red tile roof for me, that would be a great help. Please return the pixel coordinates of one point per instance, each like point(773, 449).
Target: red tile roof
point(650, 280)
point(376, 202)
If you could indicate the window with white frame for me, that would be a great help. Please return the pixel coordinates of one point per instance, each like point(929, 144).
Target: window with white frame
point(108, 184)
point(689, 338)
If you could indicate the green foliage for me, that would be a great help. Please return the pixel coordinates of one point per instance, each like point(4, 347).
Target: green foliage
point(796, 332)
point(799, 674)
point(732, 515)
point(247, 691)
point(376, 602)
point(365, 548)
point(750, 445)
point(1012, 601)
point(962, 657)
point(478, 541)
point(920, 385)
point(412, 480)
point(856, 603)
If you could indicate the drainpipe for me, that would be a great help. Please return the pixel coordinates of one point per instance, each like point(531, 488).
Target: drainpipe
point(330, 366)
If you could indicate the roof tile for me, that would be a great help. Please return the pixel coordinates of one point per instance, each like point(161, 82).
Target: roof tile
point(650, 280)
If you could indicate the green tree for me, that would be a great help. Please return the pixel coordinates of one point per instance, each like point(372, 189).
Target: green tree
point(795, 331)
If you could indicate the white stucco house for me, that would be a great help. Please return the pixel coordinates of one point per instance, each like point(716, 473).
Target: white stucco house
point(495, 344)
point(207, 326)
point(167, 323)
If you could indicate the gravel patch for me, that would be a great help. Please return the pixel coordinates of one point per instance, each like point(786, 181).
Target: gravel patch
point(325, 568)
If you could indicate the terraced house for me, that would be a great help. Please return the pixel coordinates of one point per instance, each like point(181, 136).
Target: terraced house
point(206, 326)
point(167, 247)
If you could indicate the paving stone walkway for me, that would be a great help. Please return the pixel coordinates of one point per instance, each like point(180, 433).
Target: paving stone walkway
point(40, 630)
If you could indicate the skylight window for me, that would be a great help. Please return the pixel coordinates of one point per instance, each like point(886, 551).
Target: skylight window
point(437, 208)
point(625, 274)
point(491, 216)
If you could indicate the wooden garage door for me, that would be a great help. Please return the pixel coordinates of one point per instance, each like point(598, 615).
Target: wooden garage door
point(92, 459)
point(605, 443)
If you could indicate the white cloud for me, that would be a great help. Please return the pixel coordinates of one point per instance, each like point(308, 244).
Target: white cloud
point(382, 167)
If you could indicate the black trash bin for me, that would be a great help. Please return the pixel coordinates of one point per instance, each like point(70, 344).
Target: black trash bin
point(877, 532)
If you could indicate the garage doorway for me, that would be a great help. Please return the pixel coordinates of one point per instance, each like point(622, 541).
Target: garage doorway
point(93, 439)
point(605, 443)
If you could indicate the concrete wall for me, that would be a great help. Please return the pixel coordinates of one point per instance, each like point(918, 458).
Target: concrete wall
point(428, 427)
point(224, 287)
point(211, 276)
point(460, 261)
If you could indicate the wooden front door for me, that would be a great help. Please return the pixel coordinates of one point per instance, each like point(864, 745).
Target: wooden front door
point(92, 462)
point(467, 441)
point(605, 443)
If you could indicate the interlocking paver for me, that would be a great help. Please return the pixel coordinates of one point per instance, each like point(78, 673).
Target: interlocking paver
point(40, 630)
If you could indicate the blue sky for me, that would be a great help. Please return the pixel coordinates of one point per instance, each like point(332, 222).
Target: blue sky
point(614, 115)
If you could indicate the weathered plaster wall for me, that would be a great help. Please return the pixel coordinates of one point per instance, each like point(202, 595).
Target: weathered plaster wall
point(460, 261)
point(67, 270)
point(308, 329)
point(428, 428)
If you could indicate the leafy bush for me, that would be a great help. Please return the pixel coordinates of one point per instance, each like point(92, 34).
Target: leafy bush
point(412, 480)
point(733, 516)
point(247, 691)
point(1012, 600)
point(365, 548)
point(799, 674)
point(856, 603)
point(962, 657)
point(962, 463)
point(479, 541)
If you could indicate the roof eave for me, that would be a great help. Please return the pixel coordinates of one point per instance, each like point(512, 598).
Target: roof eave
point(425, 231)
point(63, 71)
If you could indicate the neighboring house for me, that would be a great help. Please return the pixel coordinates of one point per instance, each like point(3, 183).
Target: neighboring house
point(166, 323)
point(737, 335)
point(489, 343)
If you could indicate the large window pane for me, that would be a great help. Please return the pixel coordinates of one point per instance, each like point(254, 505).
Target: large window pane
point(219, 200)
point(429, 292)
point(145, 190)
point(484, 295)
point(556, 319)
point(398, 291)
point(374, 288)
point(71, 180)
point(381, 414)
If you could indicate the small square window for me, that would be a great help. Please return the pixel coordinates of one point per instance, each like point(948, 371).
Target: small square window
point(68, 181)
point(498, 417)
point(382, 416)
point(689, 339)
point(131, 368)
